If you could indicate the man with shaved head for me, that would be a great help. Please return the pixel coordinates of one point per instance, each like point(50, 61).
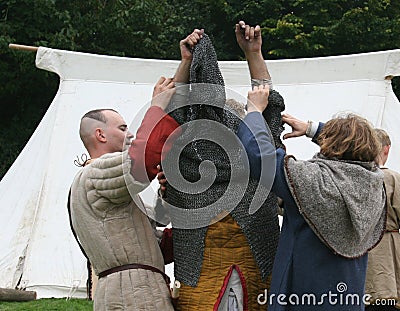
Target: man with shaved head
point(106, 212)
point(97, 125)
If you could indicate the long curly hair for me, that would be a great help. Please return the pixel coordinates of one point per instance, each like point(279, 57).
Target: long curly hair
point(349, 137)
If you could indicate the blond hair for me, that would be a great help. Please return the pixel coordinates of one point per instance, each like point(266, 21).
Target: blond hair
point(383, 137)
point(236, 107)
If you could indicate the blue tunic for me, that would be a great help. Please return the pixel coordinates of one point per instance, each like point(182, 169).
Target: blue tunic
point(306, 275)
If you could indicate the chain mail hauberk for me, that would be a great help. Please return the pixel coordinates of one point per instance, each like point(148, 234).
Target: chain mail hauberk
point(198, 143)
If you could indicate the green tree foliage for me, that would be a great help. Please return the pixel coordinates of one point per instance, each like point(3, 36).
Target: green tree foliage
point(116, 27)
point(332, 27)
point(152, 29)
point(25, 92)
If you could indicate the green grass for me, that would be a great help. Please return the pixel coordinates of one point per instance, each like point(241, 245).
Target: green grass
point(48, 304)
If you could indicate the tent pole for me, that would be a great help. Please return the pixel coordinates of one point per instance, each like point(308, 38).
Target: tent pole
point(23, 47)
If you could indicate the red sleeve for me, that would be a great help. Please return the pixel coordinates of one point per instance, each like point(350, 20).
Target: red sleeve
point(166, 246)
point(149, 148)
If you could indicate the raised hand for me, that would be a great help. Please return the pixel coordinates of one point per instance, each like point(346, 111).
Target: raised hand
point(186, 45)
point(257, 99)
point(162, 92)
point(299, 127)
point(248, 37)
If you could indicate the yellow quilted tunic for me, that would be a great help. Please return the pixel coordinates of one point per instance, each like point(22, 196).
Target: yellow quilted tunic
point(225, 245)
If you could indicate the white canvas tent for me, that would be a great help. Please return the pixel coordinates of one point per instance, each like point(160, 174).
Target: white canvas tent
point(37, 249)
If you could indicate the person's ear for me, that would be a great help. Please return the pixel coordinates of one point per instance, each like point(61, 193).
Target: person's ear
point(100, 136)
point(386, 150)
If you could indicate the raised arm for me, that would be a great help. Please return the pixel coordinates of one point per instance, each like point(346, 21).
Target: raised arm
point(186, 46)
point(266, 163)
point(254, 135)
point(250, 41)
point(148, 148)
